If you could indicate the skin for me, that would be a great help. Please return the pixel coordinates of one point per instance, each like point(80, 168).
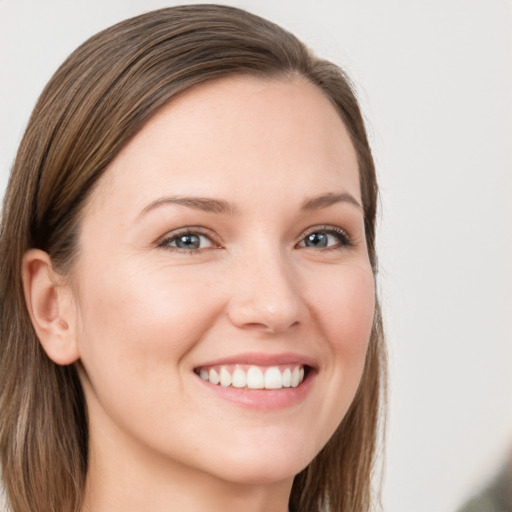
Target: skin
point(139, 315)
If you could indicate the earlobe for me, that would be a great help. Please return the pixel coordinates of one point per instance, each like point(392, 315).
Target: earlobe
point(49, 303)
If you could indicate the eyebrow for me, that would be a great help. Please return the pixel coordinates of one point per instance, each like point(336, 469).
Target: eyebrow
point(220, 206)
point(205, 204)
point(323, 201)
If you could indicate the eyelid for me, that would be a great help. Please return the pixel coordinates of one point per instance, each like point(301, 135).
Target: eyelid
point(164, 240)
point(346, 239)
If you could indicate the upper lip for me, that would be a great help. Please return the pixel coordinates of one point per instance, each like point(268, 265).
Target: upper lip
point(263, 359)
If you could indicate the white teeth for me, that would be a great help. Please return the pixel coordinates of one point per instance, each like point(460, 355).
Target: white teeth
point(225, 377)
point(239, 378)
point(295, 377)
point(273, 378)
point(287, 378)
point(254, 377)
point(213, 377)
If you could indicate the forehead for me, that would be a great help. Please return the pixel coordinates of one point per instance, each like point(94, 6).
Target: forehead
point(218, 137)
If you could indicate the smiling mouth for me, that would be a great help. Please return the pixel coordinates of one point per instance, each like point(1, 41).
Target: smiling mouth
point(254, 377)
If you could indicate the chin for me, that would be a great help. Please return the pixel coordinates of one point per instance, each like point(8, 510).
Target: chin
point(268, 473)
point(264, 468)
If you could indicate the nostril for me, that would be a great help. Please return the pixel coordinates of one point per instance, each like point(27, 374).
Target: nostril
point(253, 315)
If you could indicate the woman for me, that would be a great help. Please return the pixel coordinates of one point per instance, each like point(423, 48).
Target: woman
point(188, 258)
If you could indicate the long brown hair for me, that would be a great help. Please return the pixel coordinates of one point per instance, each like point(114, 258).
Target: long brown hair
point(95, 103)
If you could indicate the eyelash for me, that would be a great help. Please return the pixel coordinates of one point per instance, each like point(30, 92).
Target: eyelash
point(342, 236)
point(189, 231)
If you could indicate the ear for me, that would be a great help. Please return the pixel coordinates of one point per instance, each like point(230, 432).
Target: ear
point(51, 307)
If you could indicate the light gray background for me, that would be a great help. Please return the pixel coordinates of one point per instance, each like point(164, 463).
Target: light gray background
point(435, 81)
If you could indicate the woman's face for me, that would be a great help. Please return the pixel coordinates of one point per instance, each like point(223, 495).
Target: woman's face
point(226, 241)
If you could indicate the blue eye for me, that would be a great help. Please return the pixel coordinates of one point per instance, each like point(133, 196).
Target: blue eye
point(325, 239)
point(189, 242)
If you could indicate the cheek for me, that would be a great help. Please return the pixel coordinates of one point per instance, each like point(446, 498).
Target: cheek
point(342, 302)
point(345, 303)
point(133, 321)
point(345, 311)
point(137, 330)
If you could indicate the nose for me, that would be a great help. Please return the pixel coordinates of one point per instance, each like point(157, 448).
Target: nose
point(266, 295)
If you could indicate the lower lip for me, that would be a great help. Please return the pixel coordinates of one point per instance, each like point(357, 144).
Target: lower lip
point(262, 399)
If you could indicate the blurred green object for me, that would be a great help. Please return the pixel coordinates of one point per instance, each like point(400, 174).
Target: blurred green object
point(496, 497)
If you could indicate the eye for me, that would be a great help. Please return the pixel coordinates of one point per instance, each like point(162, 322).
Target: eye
point(188, 241)
point(325, 238)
